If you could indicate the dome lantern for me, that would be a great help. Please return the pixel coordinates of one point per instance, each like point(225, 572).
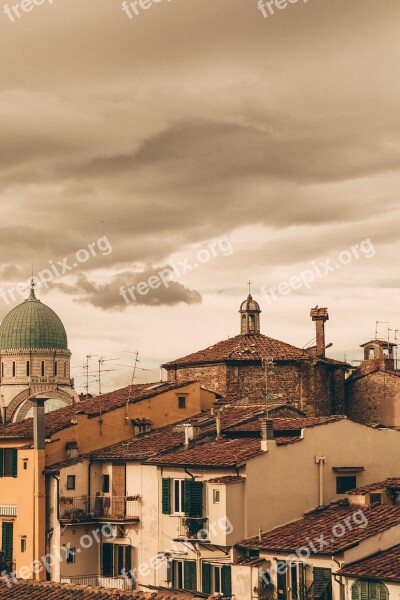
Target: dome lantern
point(249, 316)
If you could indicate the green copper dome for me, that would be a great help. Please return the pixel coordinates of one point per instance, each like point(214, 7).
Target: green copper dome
point(32, 325)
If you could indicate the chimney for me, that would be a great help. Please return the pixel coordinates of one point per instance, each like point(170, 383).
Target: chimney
point(320, 316)
point(218, 422)
point(267, 433)
point(39, 436)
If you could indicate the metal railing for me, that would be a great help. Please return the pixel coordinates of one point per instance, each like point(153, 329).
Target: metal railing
point(79, 508)
point(118, 583)
point(194, 528)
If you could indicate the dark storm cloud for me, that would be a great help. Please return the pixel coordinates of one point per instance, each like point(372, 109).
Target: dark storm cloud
point(115, 295)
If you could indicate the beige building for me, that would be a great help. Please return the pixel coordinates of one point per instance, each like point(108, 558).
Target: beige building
point(322, 556)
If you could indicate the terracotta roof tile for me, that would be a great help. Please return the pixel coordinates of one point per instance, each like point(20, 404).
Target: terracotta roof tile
point(322, 521)
point(61, 418)
point(31, 590)
point(287, 424)
point(386, 483)
point(244, 347)
point(227, 479)
point(221, 453)
point(382, 565)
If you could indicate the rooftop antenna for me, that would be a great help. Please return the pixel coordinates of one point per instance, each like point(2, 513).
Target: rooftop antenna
point(88, 357)
point(102, 360)
point(135, 366)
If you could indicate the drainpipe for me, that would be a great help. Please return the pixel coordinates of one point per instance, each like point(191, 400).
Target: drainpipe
point(320, 460)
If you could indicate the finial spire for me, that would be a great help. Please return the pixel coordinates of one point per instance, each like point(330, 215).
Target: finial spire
point(32, 292)
point(249, 284)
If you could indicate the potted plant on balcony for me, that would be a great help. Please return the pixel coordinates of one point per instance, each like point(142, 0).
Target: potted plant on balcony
point(194, 527)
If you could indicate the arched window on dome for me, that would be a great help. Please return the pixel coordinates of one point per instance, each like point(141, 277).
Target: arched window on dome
point(369, 590)
point(252, 323)
point(2, 369)
point(42, 369)
point(28, 368)
point(14, 369)
point(55, 369)
point(243, 324)
point(65, 369)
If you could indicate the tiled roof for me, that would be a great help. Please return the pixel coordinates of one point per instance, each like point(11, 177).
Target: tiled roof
point(244, 347)
point(61, 418)
point(31, 590)
point(386, 483)
point(221, 453)
point(287, 424)
point(254, 347)
point(227, 479)
point(368, 369)
point(382, 565)
point(322, 521)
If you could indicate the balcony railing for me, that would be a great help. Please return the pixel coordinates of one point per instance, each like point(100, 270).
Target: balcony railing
point(117, 583)
point(194, 528)
point(84, 508)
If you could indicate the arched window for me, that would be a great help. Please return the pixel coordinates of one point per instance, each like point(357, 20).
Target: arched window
point(369, 590)
point(252, 323)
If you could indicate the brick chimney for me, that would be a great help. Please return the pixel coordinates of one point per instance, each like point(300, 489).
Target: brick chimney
point(39, 435)
point(320, 316)
point(267, 433)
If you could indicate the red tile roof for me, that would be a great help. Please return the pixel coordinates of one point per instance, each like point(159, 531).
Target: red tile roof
point(61, 418)
point(382, 565)
point(222, 453)
point(244, 347)
point(369, 368)
point(30, 590)
point(227, 479)
point(377, 485)
point(322, 521)
point(287, 424)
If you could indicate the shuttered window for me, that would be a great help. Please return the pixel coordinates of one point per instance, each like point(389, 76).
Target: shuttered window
point(190, 576)
point(226, 580)
point(8, 462)
point(206, 578)
point(193, 498)
point(166, 496)
point(7, 536)
point(281, 579)
point(369, 590)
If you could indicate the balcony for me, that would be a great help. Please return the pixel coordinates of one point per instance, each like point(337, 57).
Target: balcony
point(194, 528)
point(81, 509)
point(116, 583)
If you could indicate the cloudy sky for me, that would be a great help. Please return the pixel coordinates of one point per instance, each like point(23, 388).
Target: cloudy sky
point(204, 142)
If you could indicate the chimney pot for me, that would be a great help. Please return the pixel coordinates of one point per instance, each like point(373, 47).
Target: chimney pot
point(320, 316)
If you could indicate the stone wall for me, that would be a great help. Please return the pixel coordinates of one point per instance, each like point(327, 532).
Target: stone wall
point(374, 398)
point(310, 386)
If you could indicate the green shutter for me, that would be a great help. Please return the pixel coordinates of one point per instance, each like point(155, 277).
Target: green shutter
point(281, 579)
point(193, 498)
point(166, 496)
point(190, 576)
point(206, 578)
point(321, 579)
point(1, 462)
point(355, 591)
point(14, 462)
point(226, 580)
point(7, 540)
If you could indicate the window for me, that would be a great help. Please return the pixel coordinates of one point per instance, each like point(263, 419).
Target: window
point(70, 554)
point(216, 496)
point(116, 560)
point(105, 485)
point(23, 544)
point(28, 368)
point(375, 498)
point(216, 579)
point(345, 483)
point(179, 496)
point(252, 324)
point(8, 462)
point(71, 481)
point(181, 402)
point(55, 369)
point(65, 369)
point(25, 465)
point(14, 369)
point(184, 575)
point(369, 590)
point(42, 369)
point(2, 369)
point(7, 539)
point(371, 353)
